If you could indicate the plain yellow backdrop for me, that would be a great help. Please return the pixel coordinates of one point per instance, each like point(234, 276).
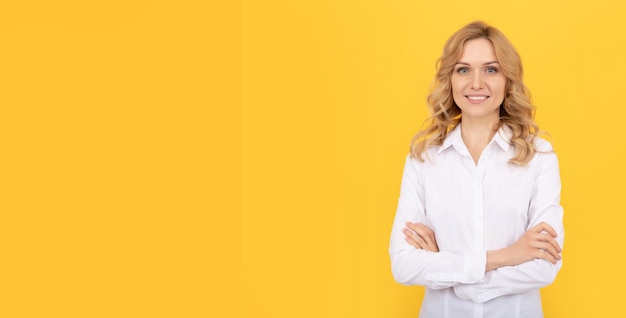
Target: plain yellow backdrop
point(120, 151)
point(332, 93)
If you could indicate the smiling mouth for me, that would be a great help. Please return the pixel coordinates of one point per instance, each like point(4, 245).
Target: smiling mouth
point(477, 97)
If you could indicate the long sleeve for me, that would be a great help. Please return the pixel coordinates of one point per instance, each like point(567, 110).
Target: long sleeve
point(544, 207)
point(411, 266)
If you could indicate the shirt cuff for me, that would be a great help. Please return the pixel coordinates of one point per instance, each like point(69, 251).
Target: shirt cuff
point(473, 270)
point(478, 294)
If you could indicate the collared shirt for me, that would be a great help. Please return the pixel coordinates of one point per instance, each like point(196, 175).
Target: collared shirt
point(474, 208)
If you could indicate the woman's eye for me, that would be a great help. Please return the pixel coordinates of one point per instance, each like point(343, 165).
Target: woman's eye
point(462, 70)
point(492, 70)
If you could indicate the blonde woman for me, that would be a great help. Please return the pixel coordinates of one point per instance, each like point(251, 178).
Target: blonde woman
point(479, 220)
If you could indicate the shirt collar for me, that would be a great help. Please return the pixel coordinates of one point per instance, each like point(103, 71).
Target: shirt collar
point(454, 139)
point(503, 137)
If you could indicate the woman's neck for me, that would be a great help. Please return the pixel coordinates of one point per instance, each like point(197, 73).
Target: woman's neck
point(476, 135)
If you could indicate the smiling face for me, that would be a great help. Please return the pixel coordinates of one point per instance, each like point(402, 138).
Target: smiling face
point(478, 86)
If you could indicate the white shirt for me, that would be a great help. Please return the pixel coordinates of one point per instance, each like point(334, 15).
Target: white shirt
point(474, 208)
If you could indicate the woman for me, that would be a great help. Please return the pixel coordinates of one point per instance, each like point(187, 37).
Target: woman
point(479, 222)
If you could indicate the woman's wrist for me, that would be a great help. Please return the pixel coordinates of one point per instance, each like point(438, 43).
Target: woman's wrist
point(496, 259)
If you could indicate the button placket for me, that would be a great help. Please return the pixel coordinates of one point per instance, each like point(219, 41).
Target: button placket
point(478, 212)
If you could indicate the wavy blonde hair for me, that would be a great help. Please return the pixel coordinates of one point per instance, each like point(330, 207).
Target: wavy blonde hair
point(517, 112)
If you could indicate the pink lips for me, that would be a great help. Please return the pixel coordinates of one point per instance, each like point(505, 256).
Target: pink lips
point(476, 99)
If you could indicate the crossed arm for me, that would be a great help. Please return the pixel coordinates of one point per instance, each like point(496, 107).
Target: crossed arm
point(538, 242)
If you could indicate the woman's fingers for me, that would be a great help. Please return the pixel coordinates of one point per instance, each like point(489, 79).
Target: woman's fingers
point(430, 235)
point(422, 231)
point(414, 239)
point(543, 243)
point(544, 227)
point(541, 254)
point(545, 237)
point(547, 248)
point(422, 235)
point(412, 242)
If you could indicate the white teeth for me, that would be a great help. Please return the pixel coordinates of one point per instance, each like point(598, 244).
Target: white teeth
point(477, 97)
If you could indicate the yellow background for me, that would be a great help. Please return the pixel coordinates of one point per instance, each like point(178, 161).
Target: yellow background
point(332, 93)
point(120, 157)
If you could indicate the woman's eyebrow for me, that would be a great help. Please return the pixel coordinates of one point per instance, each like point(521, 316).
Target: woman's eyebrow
point(487, 63)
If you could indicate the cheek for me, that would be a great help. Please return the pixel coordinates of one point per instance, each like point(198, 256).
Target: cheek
point(499, 86)
point(499, 93)
point(457, 87)
point(457, 95)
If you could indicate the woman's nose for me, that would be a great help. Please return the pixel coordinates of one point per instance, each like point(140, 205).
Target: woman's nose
point(477, 81)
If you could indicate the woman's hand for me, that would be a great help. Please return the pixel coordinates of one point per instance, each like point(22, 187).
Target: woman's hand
point(420, 236)
point(537, 243)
